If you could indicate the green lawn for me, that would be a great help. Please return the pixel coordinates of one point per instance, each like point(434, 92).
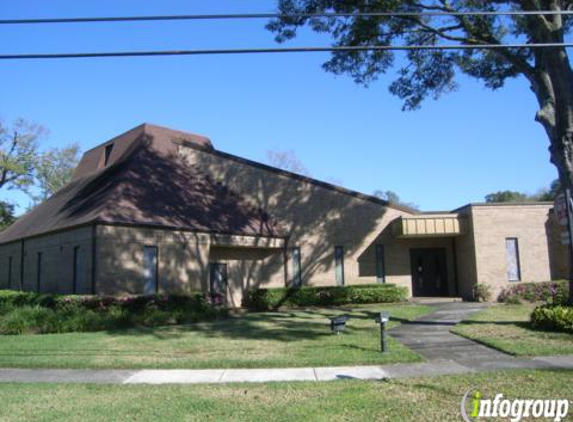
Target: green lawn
point(417, 399)
point(506, 327)
point(271, 339)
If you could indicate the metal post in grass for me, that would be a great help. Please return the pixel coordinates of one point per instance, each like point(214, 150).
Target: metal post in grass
point(570, 230)
point(383, 320)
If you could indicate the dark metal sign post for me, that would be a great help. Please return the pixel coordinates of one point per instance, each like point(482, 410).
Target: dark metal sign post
point(383, 320)
point(570, 231)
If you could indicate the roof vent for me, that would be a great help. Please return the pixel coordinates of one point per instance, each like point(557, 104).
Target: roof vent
point(108, 150)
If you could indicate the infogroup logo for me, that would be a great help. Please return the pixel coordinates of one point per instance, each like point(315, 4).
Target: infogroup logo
point(475, 407)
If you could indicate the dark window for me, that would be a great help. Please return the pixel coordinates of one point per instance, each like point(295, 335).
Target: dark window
point(150, 269)
point(9, 271)
point(78, 279)
point(380, 268)
point(296, 267)
point(512, 256)
point(39, 273)
point(339, 265)
point(108, 150)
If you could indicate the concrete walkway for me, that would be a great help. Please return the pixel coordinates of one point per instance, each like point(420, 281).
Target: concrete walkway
point(446, 353)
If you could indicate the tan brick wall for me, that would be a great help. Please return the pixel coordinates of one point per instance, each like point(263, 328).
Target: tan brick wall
point(183, 260)
point(57, 262)
point(493, 224)
point(317, 219)
point(10, 275)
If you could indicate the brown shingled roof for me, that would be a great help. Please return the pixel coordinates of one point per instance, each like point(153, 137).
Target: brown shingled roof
point(145, 184)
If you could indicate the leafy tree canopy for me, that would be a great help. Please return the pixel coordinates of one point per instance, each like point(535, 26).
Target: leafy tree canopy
point(547, 194)
point(24, 166)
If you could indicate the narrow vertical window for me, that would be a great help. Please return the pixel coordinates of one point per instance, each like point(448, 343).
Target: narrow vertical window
point(380, 268)
point(296, 280)
point(150, 269)
point(78, 279)
point(512, 256)
point(107, 156)
point(339, 265)
point(39, 273)
point(9, 272)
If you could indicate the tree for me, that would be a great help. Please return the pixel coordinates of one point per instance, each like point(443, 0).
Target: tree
point(507, 196)
point(393, 198)
point(23, 166)
point(19, 154)
point(286, 160)
point(546, 194)
point(54, 170)
point(550, 193)
point(432, 72)
point(6, 214)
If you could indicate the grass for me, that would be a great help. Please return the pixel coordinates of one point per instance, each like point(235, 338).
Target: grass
point(416, 399)
point(271, 339)
point(506, 328)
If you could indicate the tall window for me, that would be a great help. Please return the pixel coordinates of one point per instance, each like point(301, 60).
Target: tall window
point(108, 150)
point(150, 269)
point(9, 272)
point(296, 280)
point(512, 256)
point(39, 273)
point(339, 265)
point(78, 279)
point(380, 268)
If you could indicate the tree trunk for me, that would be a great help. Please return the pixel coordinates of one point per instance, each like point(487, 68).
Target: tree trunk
point(552, 82)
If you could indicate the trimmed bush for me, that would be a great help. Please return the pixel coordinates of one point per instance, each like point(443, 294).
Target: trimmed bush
point(554, 292)
point(265, 299)
point(29, 320)
point(553, 318)
point(482, 293)
point(26, 312)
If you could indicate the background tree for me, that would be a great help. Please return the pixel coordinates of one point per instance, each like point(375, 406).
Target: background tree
point(393, 198)
point(54, 170)
point(506, 196)
point(6, 214)
point(19, 154)
point(430, 73)
point(546, 194)
point(287, 160)
point(26, 168)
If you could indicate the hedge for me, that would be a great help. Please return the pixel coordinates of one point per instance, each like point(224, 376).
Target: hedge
point(553, 318)
point(272, 298)
point(555, 292)
point(27, 312)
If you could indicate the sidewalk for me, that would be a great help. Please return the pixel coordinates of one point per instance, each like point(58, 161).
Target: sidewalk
point(213, 376)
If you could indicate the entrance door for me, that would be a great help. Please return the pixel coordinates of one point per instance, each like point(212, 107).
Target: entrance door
point(218, 284)
point(429, 272)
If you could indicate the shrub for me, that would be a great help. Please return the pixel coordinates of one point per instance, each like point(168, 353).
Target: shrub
point(553, 318)
point(27, 312)
point(554, 292)
point(482, 293)
point(83, 320)
point(29, 320)
point(264, 299)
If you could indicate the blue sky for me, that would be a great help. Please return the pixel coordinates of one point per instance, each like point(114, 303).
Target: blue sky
point(451, 152)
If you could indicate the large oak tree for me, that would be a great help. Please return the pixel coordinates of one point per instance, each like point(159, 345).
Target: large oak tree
point(432, 72)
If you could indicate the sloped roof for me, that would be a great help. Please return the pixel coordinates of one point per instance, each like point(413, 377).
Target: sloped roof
point(144, 183)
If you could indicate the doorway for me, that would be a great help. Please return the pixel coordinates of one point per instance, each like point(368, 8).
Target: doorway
point(218, 284)
point(429, 272)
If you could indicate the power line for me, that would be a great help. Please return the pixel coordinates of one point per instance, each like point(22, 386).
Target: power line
point(276, 16)
point(277, 50)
